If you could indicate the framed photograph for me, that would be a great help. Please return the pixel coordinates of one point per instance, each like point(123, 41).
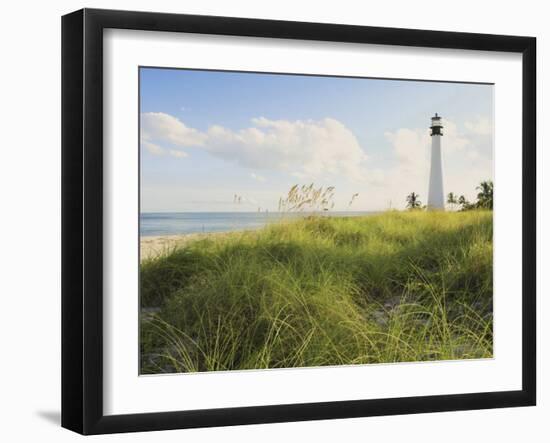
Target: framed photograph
point(268, 221)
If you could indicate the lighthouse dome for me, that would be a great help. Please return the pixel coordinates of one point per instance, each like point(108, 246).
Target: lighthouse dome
point(436, 120)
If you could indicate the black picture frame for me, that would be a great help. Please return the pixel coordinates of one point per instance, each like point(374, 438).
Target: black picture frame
point(82, 220)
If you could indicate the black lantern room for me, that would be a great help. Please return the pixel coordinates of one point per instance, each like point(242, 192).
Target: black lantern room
point(436, 125)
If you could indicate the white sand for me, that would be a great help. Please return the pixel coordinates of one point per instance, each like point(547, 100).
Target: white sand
point(155, 246)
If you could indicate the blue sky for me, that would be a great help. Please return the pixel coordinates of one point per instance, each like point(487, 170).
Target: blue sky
point(208, 135)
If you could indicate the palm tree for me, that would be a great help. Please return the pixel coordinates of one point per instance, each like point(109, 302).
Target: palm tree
point(464, 204)
point(451, 199)
point(485, 194)
point(412, 201)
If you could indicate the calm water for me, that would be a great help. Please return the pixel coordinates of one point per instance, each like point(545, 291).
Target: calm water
point(172, 223)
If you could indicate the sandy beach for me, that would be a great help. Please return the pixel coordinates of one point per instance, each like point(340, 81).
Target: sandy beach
point(154, 246)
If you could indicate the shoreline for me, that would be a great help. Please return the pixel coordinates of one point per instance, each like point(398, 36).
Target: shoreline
point(154, 246)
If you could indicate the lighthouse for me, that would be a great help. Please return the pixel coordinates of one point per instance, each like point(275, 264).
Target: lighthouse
point(436, 199)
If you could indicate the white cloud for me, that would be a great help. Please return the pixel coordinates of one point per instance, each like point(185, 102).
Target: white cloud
point(164, 128)
point(257, 177)
point(155, 149)
point(410, 147)
point(152, 147)
point(481, 126)
point(178, 154)
point(454, 140)
point(309, 148)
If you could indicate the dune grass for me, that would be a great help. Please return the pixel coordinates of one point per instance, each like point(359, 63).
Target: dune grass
point(395, 287)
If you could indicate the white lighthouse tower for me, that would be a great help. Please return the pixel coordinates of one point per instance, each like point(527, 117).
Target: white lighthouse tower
point(436, 198)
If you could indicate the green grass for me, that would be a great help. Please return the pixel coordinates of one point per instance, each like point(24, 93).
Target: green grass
point(400, 286)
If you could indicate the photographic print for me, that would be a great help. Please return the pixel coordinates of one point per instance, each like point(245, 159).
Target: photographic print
point(293, 221)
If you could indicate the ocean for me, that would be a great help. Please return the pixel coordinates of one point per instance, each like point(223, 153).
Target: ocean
point(174, 223)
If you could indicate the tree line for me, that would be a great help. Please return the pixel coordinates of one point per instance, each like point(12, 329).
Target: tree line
point(484, 199)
